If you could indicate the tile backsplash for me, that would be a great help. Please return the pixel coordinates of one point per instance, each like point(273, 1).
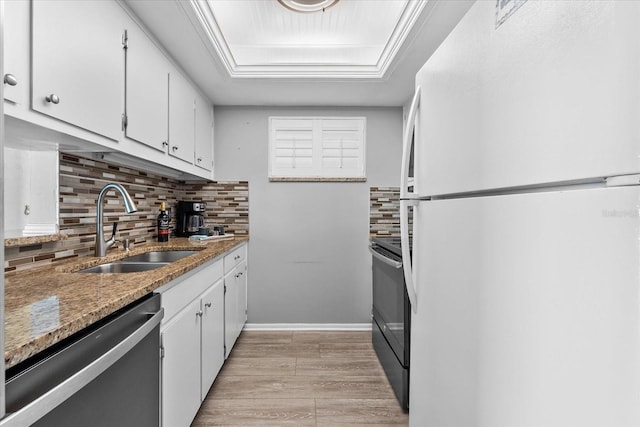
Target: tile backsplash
point(80, 181)
point(384, 212)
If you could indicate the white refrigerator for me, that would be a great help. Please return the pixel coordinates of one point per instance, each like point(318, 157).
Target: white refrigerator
point(525, 271)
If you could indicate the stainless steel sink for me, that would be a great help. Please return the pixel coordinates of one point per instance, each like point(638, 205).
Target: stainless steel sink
point(124, 267)
point(141, 262)
point(159, 256)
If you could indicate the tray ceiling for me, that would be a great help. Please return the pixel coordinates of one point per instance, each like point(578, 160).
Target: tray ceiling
point(187, 30)
point(262, 38)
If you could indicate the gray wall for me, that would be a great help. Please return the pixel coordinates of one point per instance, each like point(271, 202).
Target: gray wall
point(308, 254)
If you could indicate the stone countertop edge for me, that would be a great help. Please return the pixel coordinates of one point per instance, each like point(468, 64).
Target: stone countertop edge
point(11, 242)
point(45, 305)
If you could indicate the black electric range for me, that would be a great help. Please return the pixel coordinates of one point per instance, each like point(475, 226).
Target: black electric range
point(391, 313)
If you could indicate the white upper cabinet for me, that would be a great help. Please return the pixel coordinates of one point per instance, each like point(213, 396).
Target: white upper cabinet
point(16, 51)
point(147, 95)
point(204, 133)
point(78, 63)
point(88, 76)
point(181, 117)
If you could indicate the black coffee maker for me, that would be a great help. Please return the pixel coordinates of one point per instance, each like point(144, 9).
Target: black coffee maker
point(189, 218)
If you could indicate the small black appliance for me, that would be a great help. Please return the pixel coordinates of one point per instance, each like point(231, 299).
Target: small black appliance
point(189, 218)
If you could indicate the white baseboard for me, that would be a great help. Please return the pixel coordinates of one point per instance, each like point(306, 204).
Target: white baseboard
point(307, 327)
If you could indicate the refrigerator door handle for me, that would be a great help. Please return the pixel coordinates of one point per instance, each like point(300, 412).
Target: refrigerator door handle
point(406, 252)
point(406, 145)
point(404, 194)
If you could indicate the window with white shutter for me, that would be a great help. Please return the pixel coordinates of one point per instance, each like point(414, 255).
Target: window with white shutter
point(317, 148)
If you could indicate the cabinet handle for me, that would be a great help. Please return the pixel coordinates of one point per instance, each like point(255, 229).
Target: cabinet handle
point(199, 159)
point(165, 143)
point(174, 148)
point(199, 313)
point(239, 274)
point(237, 257)
point(208, 305)
point(10, 79)
point(52, 98)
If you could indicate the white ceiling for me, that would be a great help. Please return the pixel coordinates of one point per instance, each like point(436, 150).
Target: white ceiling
point(256, 52)
point(350, 39)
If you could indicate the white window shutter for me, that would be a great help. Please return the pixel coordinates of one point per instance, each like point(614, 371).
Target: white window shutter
point(291, 147)
point(342, 143)
point(314, 147)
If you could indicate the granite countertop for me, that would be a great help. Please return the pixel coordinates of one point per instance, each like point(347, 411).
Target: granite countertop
point(45, 305)
point(32, 240)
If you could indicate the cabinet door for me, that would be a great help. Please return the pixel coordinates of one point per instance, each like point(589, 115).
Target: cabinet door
point(181, 367)
point(212, 335)
point(230, 311)
point(181, 117)
point(204, 133)
point(235, 305)
point(78, 63)
point(147, 96)
point(241, 286)
point(17, 20)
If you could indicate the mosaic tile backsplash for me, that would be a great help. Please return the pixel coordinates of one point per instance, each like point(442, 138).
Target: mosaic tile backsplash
point(384, 212)
point(81, 179)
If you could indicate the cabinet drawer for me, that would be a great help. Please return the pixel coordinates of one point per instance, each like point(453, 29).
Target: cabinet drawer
point(176, 298)
point(235, 257)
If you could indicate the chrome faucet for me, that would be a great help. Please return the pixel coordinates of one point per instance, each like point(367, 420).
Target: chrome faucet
point(101, 244)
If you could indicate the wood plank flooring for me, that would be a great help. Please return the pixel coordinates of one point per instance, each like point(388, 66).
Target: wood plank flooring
point(319, 379)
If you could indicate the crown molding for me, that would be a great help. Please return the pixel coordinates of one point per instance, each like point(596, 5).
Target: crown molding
point(217, 44)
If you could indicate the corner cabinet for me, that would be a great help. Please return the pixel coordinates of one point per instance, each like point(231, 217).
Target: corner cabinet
point(77, 65)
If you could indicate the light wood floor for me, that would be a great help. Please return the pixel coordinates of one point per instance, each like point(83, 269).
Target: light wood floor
point(319, 379)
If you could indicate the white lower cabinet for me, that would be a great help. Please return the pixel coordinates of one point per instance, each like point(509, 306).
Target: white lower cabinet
point(181, 368)
point(235, 305)
point(192, 338)
point(230, 306)
point(212, 336)
point(235, 297)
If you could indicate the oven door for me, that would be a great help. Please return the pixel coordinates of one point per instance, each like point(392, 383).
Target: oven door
point(391, 309)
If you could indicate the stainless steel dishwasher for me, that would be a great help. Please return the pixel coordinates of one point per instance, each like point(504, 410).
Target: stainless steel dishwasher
point(106, 375)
